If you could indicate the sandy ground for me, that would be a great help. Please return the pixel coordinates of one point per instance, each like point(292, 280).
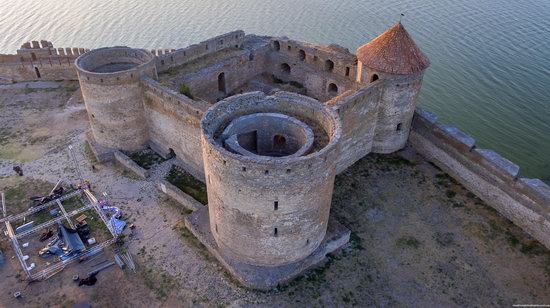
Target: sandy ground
point(418, 238)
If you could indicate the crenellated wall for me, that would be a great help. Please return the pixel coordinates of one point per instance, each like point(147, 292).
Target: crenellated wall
point(494, 179)
point(190, 53)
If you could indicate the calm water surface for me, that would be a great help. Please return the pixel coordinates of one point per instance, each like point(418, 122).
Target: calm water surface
point(490, 72)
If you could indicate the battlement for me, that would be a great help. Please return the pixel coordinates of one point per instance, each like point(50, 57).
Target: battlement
point(174, 58)
point(490, 176)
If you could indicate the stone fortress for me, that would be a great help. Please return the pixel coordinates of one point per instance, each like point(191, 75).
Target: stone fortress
point(267, 123)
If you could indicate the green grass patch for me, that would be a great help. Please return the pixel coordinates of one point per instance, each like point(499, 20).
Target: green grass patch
point(188, 184)
point(408, 242)
point(146, 158)
point(185, 90)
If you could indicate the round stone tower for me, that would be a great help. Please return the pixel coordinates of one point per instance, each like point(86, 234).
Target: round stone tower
point(110, 84)
point(270, 166)
point(393, 58)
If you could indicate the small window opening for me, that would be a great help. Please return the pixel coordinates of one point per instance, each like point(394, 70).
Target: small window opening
point(347, 70)
point(244, 169)
point(332, 89)
point(301, 55)
point(288, 170)
point(276, 45)
point(206, 46)
point(374, 78)
point(329, 65)
point(251, 57)
point(216, 228)
point(275, 232)
point(161, 62)
point(288, 48)
point(399, 127)
point(285, 68)
point(276, 205)
point(37, 72)
point(266, 172)
point(315, 58)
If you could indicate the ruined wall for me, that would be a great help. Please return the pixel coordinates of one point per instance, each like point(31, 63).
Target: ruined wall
point(238, 68)
point(114, 100)
point(314, 66)
point(190, 53)
point(173, 122)
point(269, 211)
point(494, 179)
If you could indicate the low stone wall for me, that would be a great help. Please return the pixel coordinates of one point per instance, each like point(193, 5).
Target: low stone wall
point(179, 196)
point(494, 179)
point(131, 165)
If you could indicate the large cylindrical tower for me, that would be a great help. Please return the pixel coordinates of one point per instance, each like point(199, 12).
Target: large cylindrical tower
point(270, 167)
point(110, 84)
point(393, 58)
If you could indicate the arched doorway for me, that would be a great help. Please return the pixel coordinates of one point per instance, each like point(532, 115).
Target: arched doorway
point(221, 82)
point(374, 78)
point(285, 68)
point(329, 65)
point(332, 89)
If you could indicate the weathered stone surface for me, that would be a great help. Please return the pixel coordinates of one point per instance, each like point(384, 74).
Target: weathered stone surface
point(179, 196)
point(266, 277)
point(499, 162)
point(266, 209)
point(457, 135)
point(130, 165)
point(425, 115)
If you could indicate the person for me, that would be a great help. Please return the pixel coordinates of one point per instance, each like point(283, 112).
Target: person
point(18, 170)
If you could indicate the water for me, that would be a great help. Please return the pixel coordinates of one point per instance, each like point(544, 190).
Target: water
point(490, 58)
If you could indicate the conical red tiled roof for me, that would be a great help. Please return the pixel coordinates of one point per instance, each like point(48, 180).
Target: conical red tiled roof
point(393, 51)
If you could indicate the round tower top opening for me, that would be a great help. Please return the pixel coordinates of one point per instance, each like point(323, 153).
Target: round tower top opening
point(111, 60)
point(267, 134)
point(271, 129)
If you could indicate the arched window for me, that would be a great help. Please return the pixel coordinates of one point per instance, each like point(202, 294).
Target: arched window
point(329, 65)
point(332, 89)
point(279, 142)
point(285, 68)
point(302, 55)
point(221, 82)
point(398, 128)
point(374, 78)
point(276, 45)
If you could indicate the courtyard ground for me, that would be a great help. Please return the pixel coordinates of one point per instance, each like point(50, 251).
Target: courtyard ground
point(418, 237)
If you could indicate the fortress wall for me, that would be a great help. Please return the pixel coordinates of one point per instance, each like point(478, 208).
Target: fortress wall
point(173, 122)
point(358, 112)
point(238, 70)
point(316, 82)
point(345, 63)
point(181, 56)
point(494, 179)
point(18, 68)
